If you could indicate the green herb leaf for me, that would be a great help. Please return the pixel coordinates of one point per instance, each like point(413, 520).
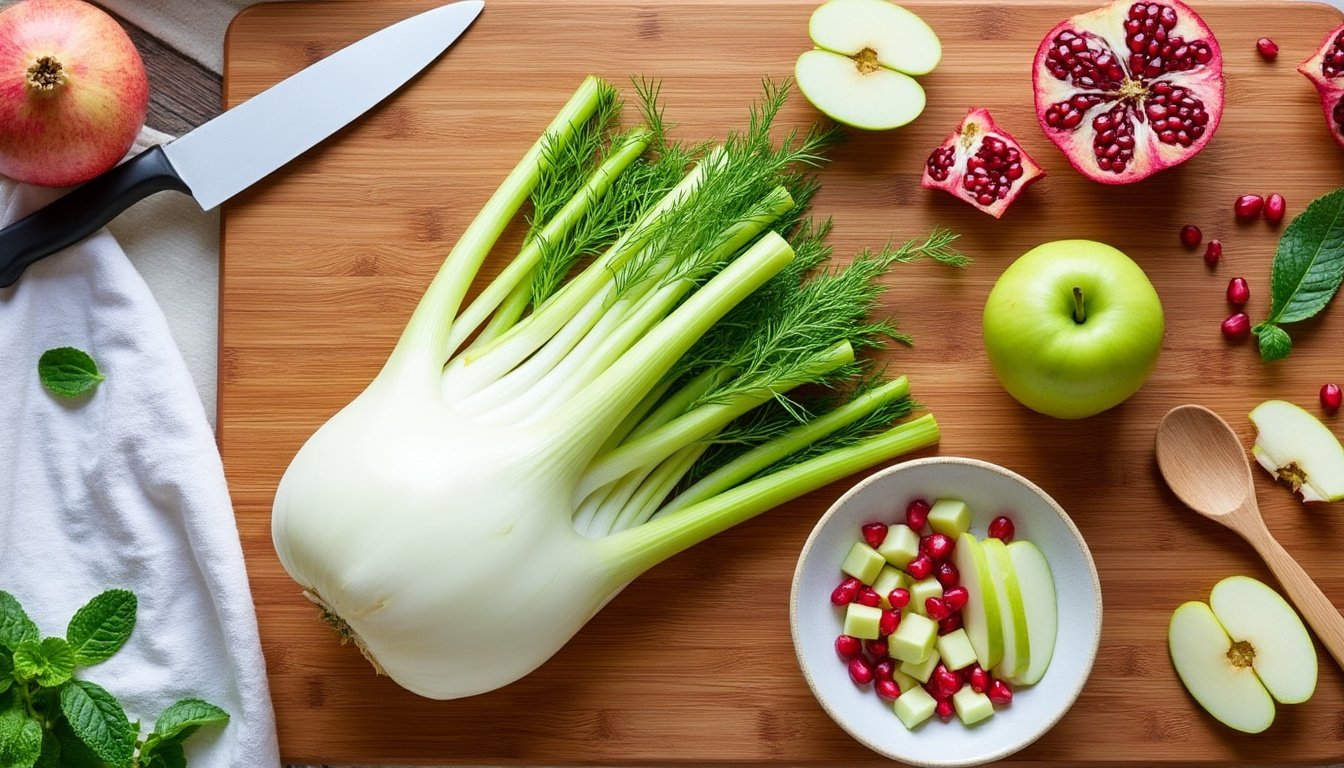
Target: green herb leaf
point(6, 670)
point(50, 662)
point(72, 752)
point(102, 626)
point(51, 752)
point(180, 720)
point(1308, 268)
point(20, 739)
point(68, 372)
point(15, 626)
point(166, 754)
point(1275, 343)
point(98, 720)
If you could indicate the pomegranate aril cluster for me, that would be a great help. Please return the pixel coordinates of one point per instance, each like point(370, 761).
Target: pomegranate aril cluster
point(1153, 50)
point(991, 171)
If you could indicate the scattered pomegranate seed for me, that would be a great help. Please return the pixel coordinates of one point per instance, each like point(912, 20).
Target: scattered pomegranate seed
point(1248, 206)
point(1191, 236)
point(917, 514)
point(868, 596)
point(899, 598)
point(950, 624)
point(937, 546)
point(1275, 206)
point(947, 574)
point(875, 534)
point(919, 568)
point(948, 682)
point(847, 590)
point(955, 598)
point(1001, 528)
point(937, 608)
point(978, 678)
point(1331, 397)
point(999, 692)
point(877, 648)
point(885, 669)
point(887, 689)
point(1238, 291)
point(887, 624)
point(1213, 253)
point(847, 646)
point(944, 710)
point(1237, 327)
point(1267, 48)
point(860, 671)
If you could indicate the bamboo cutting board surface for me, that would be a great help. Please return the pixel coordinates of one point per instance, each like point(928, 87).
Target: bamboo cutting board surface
point(324, 260)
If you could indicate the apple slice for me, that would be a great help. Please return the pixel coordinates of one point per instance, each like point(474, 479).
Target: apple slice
point(1201, 651)
point(981, 616)
point(1012, 613)
point(1280, 648)
point(1037, 585)
point(863, 96)
point(1296, 448)
point(892, 36)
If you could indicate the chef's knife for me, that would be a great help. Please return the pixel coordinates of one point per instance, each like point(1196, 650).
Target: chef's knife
point(231, 152)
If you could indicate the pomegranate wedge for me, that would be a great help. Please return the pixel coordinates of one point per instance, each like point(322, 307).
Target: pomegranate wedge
point(1325, 69)
point(981, 164)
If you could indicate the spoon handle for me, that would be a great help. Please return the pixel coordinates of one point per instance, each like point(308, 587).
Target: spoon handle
point(1316, 608)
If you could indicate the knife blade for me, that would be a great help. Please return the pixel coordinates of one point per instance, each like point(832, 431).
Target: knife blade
point(226, 155)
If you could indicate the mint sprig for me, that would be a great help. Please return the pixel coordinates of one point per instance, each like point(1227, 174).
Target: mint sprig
point(68, 372)
point(51, 719)
point(1307, 270)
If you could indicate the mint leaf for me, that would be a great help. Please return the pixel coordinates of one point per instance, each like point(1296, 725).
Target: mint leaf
point(20, 739)
point(15, 626)
point(51, 752)
point(166, 754)
point(68, 372)
point(180, 720)
point(6, 670)
point(50, 662)
point(98, 720)
point(1275, 344)
point(102, 626)
point(72, 752)
point(1308, 268)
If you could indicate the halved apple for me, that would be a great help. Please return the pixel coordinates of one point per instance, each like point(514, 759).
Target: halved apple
point(1202, 653)
point(1281, 651)
point(1012, 613)
point(860, 72)
point(981, 617)
point(1299, 450)
point(1037, 585)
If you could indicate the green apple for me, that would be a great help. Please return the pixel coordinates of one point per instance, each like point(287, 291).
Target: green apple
point(1039, 607)
point(981, 617)
point(860, 72)
point(1073, 327)
point(914, 707)
point(1242, 651)
point(1012, 612)
point(972, 707)
point(1296, 448)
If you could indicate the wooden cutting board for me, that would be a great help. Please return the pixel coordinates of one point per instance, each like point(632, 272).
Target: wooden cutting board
point(324, 260)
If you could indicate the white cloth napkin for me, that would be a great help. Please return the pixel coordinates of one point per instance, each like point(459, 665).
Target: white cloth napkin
point(124, 488)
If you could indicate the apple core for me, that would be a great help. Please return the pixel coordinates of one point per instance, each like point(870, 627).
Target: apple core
point(866, 61)
point(1241, 654)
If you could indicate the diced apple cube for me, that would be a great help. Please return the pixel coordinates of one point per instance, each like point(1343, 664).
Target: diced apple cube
point(922, 670)
point(914, 707)
point(863, 562)
point(888, 579)
point(903, 681)
point(923, 590)
point(912, 641)
point(863, 621)
point(956, 650)
point(971, 707)
point(901, 545)
point(950, 517)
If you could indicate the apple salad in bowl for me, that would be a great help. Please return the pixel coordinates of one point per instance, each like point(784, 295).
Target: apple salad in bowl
point(945, 611)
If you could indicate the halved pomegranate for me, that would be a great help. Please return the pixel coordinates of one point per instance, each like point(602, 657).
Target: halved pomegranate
point(982, 164)
point(1325, 69)
point(1129, 89)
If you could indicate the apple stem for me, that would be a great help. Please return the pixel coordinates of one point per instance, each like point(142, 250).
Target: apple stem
point(1079, 311)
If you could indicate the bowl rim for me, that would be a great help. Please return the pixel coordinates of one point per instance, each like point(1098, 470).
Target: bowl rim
point(1031, 735)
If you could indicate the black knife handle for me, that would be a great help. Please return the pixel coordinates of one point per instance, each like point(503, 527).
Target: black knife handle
point(83, 211)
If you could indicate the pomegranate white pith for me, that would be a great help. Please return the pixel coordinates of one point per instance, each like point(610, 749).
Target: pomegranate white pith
point(982, 164)
point(1129, 89)
point(1325, 69)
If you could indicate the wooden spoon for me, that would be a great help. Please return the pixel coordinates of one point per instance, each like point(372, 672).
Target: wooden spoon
point(1204, 464)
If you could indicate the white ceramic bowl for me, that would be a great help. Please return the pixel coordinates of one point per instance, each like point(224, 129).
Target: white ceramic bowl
point(989, 490)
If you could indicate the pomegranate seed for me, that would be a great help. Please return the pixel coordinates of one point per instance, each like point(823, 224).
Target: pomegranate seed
point(999, 692)
point(937, 608)
point(1237, 327)
point(978, 678)
point(899, 598)
point(1213, 253)
point(919, 568)
point(847, 646)
point(1248, 206)
point(1238, 291)
point(847, 590)
point(1191, 236)
point(885, 669)
point(1275, 206)
point(868, 596)
point(950, 624)
point(947, 574)
point(937, 546)
point(1331, 397)
point(944, 710)
point(877, 648)
point(917, 515)
point(887, 689)
point(948, 681)
point(1267, 48)
point(956, 598)
point(1001, 528)
point(860, 671)
point(875, 534)
point(887, 624)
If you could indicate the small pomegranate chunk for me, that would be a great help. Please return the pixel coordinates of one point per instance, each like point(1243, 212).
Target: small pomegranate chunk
point(978, 678)
point(885, 669)
point(937, 608)
point(1213, 253)
point(875, 534)
point(1238, 291)
point(846, 591)
point(868, 596)
point(848, 646)
point(860, 670)
point(887, 689)
point(1275, 207)
point(919, 568)
point(1191, 236)
point(956, 598)
point(947, 574)
point(950, 624)
point(1267, 48)
point(937, 546)
point(1237, 327)
point(887, 624)
point(944, 710)
point(1325, 70)
point(1002, 528)
point(899, 598)
point(1331, 397)
point(917, 515)
point(982, 164)
point(1248, 207)
point(876, 648)
point(999, 692)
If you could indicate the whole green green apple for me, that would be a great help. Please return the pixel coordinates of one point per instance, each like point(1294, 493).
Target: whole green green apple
point(1072, 328)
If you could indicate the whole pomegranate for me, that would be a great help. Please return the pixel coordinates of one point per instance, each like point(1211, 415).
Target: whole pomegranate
point(73, 92)
point(982, 164)
point(1129, 89)
point(1325, 69)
